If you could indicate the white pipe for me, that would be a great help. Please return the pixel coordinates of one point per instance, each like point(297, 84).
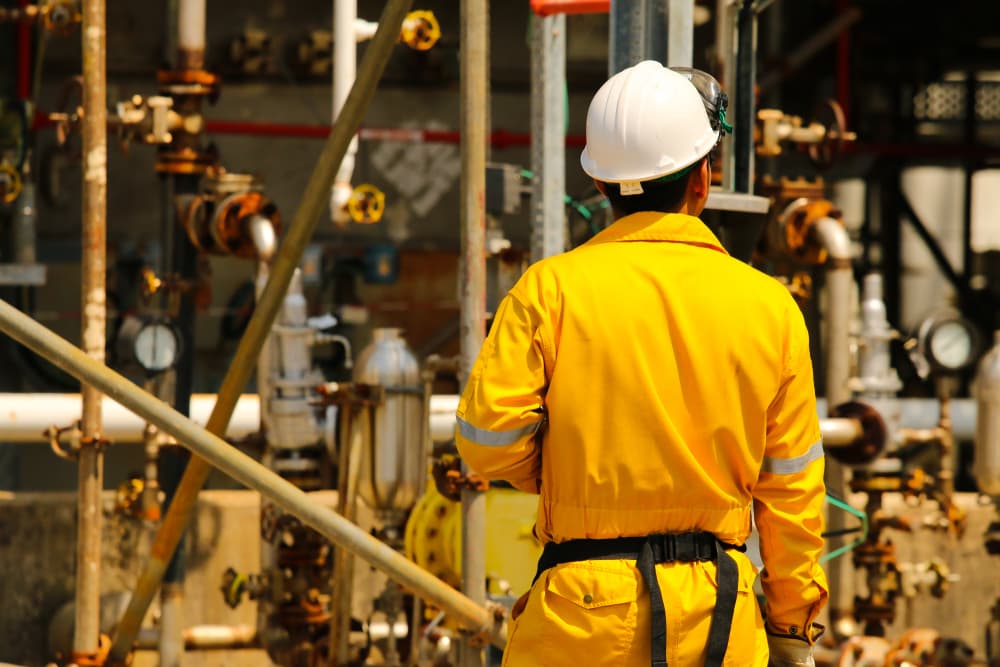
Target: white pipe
point(24, 417)
point(839, 282)
point(345, 56)
point(191, 25)
point(201, 637)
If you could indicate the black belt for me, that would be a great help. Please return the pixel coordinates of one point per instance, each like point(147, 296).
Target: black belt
point(647, 552)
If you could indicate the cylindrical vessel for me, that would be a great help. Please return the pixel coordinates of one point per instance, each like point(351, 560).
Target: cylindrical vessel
point(987, 454)
point(393, 460)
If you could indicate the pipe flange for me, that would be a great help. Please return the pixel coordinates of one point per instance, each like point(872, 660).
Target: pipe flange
point(100, 657)
point(870, 444)
point(189, 82)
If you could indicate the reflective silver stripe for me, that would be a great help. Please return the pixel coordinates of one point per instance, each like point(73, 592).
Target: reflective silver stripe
point(794, 465)
point(481, 436)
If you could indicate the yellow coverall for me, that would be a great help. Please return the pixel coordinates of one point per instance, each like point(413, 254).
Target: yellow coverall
point(647, 382)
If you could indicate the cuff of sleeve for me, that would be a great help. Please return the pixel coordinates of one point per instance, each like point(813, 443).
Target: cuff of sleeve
point(808, 634)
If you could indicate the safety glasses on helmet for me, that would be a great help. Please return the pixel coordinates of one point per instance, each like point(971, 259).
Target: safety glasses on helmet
point(716, 101)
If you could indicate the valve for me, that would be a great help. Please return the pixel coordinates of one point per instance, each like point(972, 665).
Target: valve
point(147, 120)
point(824, 137)
point(421, 30)
point(367, 204)
point(10, 184)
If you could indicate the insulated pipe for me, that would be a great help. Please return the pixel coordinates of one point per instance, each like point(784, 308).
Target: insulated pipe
point(473, 617)
point(244, 360)
point(832, 236)
point(191, 34)
point(206, 637)
point(263, 237)
point(25, 417)
point(474, 101)
point(680, 33)
point(345, 56)
point(87, 630)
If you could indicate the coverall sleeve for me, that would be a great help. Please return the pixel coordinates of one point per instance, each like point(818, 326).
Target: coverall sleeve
point(502, 408)
point(789, 494)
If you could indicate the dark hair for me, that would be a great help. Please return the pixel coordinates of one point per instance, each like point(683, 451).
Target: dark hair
point(663, 196)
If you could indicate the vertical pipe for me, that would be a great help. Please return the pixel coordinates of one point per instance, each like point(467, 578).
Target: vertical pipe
point(680, 33)
point(95, 194)
point(23, 235)
point(24, 57)
point(548, 122)
point(627, 34)
point(725, 54)
point(191, 34)
point(345, 56)
point(746, 76)
point(655, 37)
point(474, 101)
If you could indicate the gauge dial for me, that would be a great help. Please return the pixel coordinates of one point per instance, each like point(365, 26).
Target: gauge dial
point(950, 343)
point(157, 347)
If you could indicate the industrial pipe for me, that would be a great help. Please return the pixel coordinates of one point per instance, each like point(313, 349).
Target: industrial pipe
point(205, 637)
point(474, 101)
point(290, 254)
point(832, 236)
point(839, 432)
point(473, 617)
point(25, 417)
point(345, 55)
point(90, 459)
point(191, 34)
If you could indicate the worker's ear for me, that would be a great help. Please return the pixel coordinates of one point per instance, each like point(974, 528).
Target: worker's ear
point(701, 180)
point(601, 187)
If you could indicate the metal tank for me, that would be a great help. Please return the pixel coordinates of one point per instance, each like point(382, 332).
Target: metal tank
point(393, 460)
point(987, 456)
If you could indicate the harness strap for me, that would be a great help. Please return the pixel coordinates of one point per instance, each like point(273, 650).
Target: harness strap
point(647, 552)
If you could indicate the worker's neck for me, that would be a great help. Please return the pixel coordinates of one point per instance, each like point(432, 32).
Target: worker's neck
point(688, 207)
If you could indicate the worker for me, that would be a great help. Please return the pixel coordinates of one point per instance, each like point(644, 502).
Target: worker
point(654, 392)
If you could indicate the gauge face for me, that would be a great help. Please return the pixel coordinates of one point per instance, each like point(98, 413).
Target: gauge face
point(951, 345)
point(156, 347)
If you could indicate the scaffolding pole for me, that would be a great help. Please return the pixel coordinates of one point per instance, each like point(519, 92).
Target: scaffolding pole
point(314, 202)
point(86, 635)
point(548, 132)
point(474, 91)
point(483, 623)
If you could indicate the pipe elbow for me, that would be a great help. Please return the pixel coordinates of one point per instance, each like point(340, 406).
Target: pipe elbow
point(834, 238)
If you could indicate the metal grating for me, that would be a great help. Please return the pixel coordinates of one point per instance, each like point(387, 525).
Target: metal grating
point(945, 101)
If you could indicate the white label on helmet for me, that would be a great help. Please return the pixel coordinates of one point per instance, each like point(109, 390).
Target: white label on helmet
point(630, 188)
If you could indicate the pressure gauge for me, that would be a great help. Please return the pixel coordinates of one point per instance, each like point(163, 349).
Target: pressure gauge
point(948, 341)
point(153, 344)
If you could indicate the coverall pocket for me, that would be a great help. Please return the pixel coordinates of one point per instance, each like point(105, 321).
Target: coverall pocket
point(590, 613)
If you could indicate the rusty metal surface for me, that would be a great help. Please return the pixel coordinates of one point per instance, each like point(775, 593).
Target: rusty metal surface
point(94, 325)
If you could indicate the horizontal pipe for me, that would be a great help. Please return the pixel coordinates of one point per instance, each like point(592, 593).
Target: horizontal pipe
point(216, 451)
point(840, 432)
point(25, 417)
point(205, 637)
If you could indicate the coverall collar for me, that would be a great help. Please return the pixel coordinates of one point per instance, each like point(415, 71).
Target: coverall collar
point(655, 226)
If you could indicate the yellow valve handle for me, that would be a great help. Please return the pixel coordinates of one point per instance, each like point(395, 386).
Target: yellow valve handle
point(421, 30)
point(366, 205)
point(10, 184)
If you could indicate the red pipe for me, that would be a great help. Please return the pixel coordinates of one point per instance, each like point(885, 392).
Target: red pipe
point(498, 139)
point(844, 64)
point(23, 57)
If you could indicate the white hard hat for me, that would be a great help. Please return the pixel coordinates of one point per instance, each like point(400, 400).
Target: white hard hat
point(644, 123)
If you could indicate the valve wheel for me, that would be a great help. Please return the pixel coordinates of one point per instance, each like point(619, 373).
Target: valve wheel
point(366, 205)
point(421, 30)
point(10, 184)
point(831, 115)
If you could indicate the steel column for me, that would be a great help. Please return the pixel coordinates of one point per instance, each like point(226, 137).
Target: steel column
point(474, 100)
point(300, 232)
point(627, 34)
point(95, 200)
point(680, 33)
point(217, 452)
point(744, 104)
point(548, 128)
